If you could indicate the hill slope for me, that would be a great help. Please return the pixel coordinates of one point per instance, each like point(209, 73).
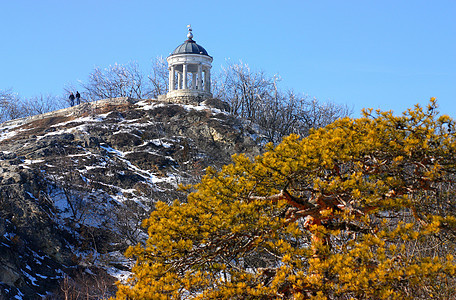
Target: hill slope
point(76, 183)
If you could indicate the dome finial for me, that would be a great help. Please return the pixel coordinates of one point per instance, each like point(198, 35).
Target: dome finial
point(189, 34)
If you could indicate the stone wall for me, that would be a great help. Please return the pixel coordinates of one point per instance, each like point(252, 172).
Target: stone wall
point(186, 99)
point(186, 96)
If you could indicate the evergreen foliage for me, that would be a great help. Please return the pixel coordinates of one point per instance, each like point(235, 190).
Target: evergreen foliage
point(361, 209)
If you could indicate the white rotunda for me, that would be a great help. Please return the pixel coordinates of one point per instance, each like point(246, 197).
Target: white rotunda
point(189, 72)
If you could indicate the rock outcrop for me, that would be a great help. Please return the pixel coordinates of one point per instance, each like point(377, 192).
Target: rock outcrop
point(76, 183)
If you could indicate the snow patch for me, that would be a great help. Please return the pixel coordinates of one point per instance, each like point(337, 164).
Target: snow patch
point(159, 142)
point(112, 150)
point(31, 278)
point(7, 134)
point(32, 161)
point(121, 276)
point(171, 179)
point(148, 106)
point(19, 295)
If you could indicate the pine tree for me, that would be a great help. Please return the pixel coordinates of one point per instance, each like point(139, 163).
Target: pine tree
point(361, 209)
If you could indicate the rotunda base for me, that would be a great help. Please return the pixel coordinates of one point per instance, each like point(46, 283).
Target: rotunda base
point(187, 96)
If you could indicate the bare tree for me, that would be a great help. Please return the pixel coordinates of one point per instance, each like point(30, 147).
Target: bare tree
point(115, 81)
point(129, 217)
point(85, 284)
point(311, 113)
point(73, 189)
point(158, 79)
point(277, 115)
point(255, 96)
point(243, 89)
point(10, 107)
point(41, 104)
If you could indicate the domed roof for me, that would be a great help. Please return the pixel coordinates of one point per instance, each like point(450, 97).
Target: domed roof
point(190, 46)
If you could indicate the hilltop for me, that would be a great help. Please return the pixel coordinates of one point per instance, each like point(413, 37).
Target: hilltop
point(76, 183)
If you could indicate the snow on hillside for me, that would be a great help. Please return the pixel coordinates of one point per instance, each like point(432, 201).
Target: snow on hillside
point(76, 184)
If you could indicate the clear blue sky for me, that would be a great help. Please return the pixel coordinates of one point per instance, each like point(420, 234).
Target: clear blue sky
point(381, 54)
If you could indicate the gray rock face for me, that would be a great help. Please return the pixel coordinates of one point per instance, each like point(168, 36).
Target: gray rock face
point(75, 185)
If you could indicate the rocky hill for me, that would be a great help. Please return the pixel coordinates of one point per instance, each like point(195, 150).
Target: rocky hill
point(76, 183)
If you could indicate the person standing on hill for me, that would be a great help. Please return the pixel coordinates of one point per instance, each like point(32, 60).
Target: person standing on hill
point(78, 98)
point(71, 99)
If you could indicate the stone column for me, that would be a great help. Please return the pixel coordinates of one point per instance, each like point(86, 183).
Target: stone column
point(184, 74)
point(172, 77)
point(179, 80)
point(207, 80)
point(193, 81)
point(169, 80)
point(200, 77)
